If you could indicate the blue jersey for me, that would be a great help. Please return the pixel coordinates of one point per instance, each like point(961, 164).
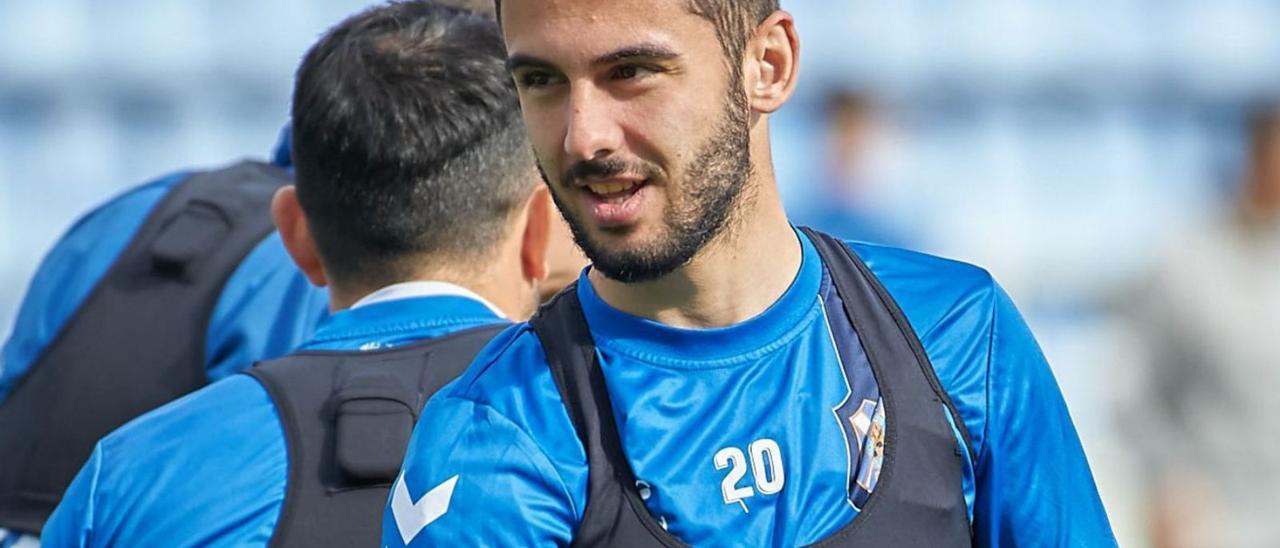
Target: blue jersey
point(265, 310)
point(210, 469)
point(751, 434)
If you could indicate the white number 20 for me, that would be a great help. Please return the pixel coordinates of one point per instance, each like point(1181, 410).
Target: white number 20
point(766, 470)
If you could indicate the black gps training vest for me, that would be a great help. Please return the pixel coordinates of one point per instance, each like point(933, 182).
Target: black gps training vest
point(347, 419)
point(919, 498)
point(138, 339)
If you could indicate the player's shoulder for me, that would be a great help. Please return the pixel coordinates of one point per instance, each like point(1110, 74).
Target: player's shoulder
point(190, 468)
point(505, 410)
point(99, 234)
point(188, 430)
point(510, 377)
point(954, 308)
point(500, 428)
point(511, 365)
point(511, 385)
point(931, 291)
point(132, 203)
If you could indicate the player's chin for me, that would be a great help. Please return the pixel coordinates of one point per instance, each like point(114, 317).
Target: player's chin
point(638, 243)
point(645, 231)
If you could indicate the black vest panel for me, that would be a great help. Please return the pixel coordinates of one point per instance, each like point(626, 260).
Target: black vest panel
point(919, 498)
point(137, 341)
point(347, 419)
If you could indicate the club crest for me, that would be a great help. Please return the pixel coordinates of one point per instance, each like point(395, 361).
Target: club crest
point(865, 426)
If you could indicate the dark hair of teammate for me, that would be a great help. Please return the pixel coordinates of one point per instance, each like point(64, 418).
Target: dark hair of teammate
point(408, 141)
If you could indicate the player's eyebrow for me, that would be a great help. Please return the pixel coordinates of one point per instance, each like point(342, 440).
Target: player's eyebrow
point(519, 61)
point(654, 52)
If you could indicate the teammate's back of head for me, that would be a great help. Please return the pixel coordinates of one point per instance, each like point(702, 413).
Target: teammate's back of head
point(411, 155)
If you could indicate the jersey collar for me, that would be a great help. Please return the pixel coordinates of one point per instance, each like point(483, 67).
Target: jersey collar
point(409, 290)
point(659, 344)
point(403, 314)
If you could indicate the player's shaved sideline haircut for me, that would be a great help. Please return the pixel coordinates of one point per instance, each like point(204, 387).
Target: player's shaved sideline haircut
point(408, 142)
point(734, 20)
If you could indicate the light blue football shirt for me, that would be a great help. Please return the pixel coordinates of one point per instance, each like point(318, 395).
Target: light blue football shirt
point(737, 432)
point(211, 468)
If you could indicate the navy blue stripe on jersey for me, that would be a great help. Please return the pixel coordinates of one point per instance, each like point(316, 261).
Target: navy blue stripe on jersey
point(856, 414)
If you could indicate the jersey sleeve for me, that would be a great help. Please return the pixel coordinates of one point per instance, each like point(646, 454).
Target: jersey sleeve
point(473, 478)
point(72, 521)
point(1034, 486)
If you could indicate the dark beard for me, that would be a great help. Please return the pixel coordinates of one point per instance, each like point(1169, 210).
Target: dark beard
point(711, 191)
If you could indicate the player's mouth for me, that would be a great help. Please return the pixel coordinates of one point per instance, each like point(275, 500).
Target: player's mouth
point(615, 201)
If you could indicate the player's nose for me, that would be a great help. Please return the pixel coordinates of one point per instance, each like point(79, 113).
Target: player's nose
point(593, 131)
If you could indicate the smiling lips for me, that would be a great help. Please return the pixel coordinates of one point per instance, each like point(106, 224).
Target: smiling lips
point(607, 188)
point(614, 203)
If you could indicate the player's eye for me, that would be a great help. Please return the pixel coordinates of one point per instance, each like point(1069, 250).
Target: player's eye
point(535, 79)
point(631, 72)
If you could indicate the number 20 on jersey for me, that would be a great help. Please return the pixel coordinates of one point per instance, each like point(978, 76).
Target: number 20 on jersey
point(767, 473)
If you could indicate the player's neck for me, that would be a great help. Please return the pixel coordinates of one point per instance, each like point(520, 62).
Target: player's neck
point(499, 284)
point(742, 272)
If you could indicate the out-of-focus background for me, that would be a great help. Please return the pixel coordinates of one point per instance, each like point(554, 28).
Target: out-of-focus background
point(1110, 161)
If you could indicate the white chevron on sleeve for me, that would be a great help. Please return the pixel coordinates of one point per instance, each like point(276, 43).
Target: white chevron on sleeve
point(412, 517)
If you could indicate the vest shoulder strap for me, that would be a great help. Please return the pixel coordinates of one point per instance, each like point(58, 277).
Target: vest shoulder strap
point(347, 419)
point(615, 515)
point(138, 339)
point(923, 506)
point(846, 267)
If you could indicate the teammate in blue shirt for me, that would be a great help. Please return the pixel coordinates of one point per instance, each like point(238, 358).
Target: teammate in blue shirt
point(718, 378)
point(263, 308)
point(417, 203)
point(249, 322)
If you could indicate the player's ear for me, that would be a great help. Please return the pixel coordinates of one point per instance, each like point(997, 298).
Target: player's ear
point(772, 63)
point(564, 259)
point(536, 239)
point(287, 214)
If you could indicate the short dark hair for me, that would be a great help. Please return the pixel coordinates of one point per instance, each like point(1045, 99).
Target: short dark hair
point(408, 141)
point(483, 7)
point(734, 20)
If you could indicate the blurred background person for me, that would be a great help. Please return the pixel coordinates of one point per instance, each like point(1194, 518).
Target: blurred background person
point(856, 147)
point(172, 285)
point(1206, 413)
